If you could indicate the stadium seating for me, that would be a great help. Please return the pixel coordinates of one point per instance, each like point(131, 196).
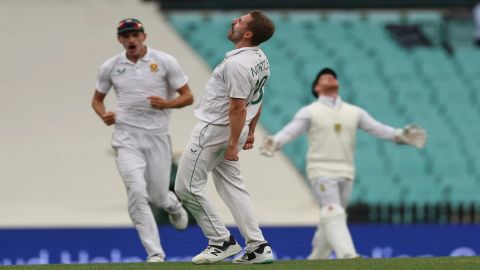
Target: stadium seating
point(395, 85)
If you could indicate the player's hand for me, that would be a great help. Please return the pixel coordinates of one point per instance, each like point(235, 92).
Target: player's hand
point(108, 118)
point(249, 142)
point(413, 135)
point(231, 153)
point(158, 103)
point(269, 147)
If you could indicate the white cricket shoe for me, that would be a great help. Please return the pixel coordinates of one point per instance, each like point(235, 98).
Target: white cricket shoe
point(263, 254)
point(155, 259)
point(214, 253)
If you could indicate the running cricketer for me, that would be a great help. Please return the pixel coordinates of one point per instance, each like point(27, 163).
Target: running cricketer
point(148, 84)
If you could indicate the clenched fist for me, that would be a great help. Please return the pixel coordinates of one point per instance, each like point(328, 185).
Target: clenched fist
point(108, 118)
point(159, 103)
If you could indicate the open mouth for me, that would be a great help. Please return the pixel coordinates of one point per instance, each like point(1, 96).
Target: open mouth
point(132, 47)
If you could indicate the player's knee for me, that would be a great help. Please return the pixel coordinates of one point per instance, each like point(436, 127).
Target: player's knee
point(332, 212)
point(136, 195)
point(137, 200)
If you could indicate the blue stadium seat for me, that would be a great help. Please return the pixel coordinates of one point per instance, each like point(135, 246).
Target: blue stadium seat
point(425, 191)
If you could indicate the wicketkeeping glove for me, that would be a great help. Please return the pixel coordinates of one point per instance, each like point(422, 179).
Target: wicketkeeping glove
point(268, 147)
point(413, 135)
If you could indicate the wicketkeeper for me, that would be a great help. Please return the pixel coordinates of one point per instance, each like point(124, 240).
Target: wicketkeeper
point(331, 126)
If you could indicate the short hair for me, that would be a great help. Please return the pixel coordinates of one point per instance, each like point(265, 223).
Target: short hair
point(261, 27)
point(320, 73)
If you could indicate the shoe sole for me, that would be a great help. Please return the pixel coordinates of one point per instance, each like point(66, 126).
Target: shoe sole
point(255, 262)
point(233, 252)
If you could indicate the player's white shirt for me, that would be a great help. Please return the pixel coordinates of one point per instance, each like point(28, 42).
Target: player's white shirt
point(331, 127)
point(301, 123)
point(156, 74)
point(242, 74)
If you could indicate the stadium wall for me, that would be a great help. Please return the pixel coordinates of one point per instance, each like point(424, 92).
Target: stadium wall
point(78, 246)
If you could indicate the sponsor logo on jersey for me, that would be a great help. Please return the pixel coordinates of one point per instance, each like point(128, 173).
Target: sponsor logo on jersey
point(121, 71)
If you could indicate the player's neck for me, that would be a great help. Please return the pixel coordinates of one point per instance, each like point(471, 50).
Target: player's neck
point(332, 95)
point(242, 44)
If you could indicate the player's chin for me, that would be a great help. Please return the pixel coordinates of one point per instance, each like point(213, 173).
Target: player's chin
point(132, 49)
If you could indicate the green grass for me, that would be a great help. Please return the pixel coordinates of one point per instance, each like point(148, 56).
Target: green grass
point(442, 263)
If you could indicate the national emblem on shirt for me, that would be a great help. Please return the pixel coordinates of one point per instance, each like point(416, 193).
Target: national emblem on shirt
point(337, 127)
point(153, 67)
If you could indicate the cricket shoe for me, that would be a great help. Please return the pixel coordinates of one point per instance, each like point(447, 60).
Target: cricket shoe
point(262, 254)
point(214, 253)
point(178, 218)
point(155, 259)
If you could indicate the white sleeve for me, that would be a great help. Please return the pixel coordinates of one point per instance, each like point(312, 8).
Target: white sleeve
point(237, 81)
point(299, 124)
point(175, 76)
point(374, 127)
point(104, 81)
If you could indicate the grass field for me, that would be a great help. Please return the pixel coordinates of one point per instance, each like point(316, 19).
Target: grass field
point(443, 263)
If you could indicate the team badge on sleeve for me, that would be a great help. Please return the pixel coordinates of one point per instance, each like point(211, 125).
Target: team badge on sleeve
point(153, 67)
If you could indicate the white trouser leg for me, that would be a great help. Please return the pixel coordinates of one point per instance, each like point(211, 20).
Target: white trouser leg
point(321, 249)
point(231, 188)
point(131, 164)
point(193, 168)
point(157, 151)
point(190, 182)
point(334, 222)
point(332, 232)
point(131, 167)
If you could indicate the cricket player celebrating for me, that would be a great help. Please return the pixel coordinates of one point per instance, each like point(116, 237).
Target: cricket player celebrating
point(145, 83)
point(228, 112)
point(331, 126)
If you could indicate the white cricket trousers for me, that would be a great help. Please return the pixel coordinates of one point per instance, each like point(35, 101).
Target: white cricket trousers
point(205, 154)
point(144, 159)
point(328, 191)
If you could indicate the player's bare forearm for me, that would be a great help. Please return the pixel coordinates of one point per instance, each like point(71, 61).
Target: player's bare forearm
point(237, 116)
point(184, 98)
point(251, 131)
point(97, 103)
point(254, 122)
point(99, 107)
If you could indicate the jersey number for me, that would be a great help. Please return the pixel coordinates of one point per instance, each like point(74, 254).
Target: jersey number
point(259, 85)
